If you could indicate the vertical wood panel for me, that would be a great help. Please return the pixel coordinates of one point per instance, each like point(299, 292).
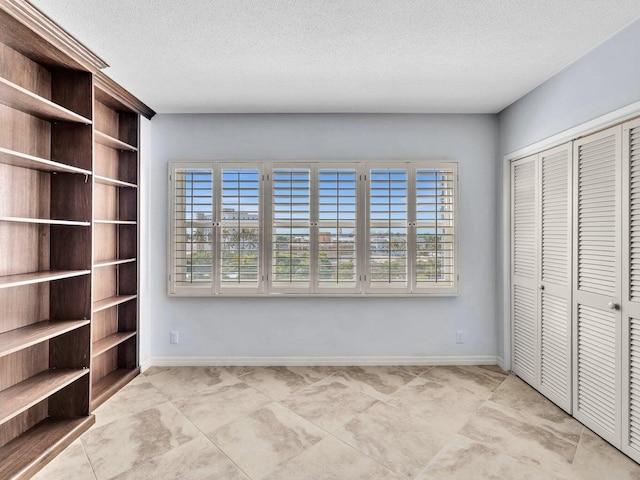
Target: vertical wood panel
point(23, 364)
point(104, 323)
point(24, 72)
point(22, 306)
point(73, 90)
point(24, 133)
point(71, 350)
point(71, 401)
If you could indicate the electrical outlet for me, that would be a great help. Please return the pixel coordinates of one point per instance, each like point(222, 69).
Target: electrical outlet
point(173, 337)
point(459, 338)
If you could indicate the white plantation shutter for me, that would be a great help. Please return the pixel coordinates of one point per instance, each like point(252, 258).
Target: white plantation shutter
point(555, 274)
point(524, 224)
point(326, 228)
point(192, 229)
point(388, 250)
point(291, 228)
point(337, 260)
point(597, 282)
point(434, 264)
point(239, 219)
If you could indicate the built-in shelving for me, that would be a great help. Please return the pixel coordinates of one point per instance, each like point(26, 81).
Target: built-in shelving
point(69, 166)
point(23, 456)
point(110, 384)
point(10, 281)
point(113, 182)
point(110, 341)
point(19, 159)
point(15, 96)
point(116, 222)
point(112, 142)
point(24, 337)
point(45, 221)
point(112, 302)
point(18, 398)
point(110, 263)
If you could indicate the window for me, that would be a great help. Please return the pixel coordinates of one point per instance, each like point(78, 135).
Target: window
point(314, 228)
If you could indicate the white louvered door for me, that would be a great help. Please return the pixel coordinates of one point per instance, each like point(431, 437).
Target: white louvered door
point(524, 265)
point(631, 289)
point(554, 298)
point(597, 283)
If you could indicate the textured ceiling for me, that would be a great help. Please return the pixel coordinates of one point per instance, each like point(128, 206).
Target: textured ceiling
point(414, 56)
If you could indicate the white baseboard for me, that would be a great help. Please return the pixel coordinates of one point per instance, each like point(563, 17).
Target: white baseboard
point(145, 364)
point(318, 361)
point(500, 363)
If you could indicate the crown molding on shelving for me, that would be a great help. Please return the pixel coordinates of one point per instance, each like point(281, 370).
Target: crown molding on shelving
point(44, 29)
point(109, 86)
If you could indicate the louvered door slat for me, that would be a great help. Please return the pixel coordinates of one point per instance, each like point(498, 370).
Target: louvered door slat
point(597, 240)
point(596, 395)
point(524, 331)
point(525, 230)
point(555, 343)
point(555, 275)
point(597, 283)
point(634, 214)
point(631, 289)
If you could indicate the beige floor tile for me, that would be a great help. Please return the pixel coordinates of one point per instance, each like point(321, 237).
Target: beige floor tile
point(220, 405)
point(279, 382)
point(260, 442)
point(240, 370)
point(198, 459)
point(516, 394)
point(330, 459)
point(481, 380)
point(126, 443)
point(175, 382)
point(415, 370)
point(465, 459)
point(597, 460)
point(329, 403)
point(533, 443)
point(135, 397)
point(71, 464)
point(448, 408)
point(391, 435)
point(378, 382)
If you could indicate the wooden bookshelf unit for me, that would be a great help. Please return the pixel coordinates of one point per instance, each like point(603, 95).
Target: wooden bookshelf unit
point(68, 238)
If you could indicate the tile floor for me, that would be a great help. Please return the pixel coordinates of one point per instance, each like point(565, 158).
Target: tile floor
point(315, 423)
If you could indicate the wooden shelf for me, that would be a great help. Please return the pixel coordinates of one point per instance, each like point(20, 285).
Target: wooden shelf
point(113, 182)
point(23, 456)
point(116, 222)
point(109, 342)
point(24, 337)
point(109, 263)
point(24, 395)
point(112, 142)
point(19, 159)
point(19, 280)
point(45, 221)
point(22, 99)
point(112, 302)
point(110, 384)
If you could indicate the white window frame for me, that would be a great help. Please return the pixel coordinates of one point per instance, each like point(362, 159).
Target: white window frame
point(363, 286)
